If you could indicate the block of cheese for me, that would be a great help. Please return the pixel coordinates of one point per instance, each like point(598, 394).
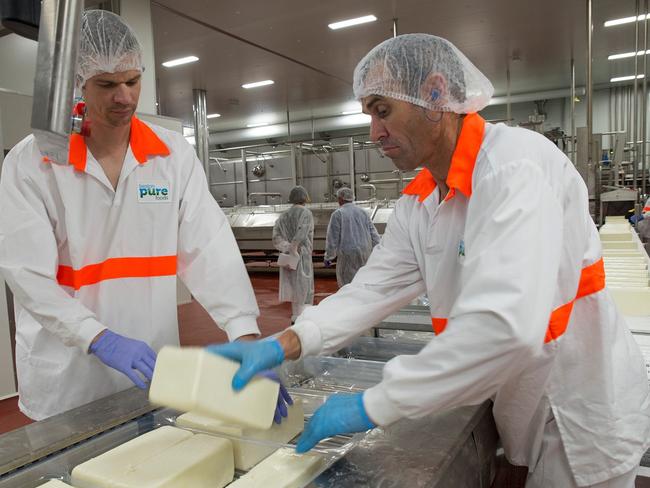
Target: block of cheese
point(619, 244)
point(167, 457)
point(282, 469)
point(191, 379)
point(634, 302)
point(248, 454)
point(55, 484)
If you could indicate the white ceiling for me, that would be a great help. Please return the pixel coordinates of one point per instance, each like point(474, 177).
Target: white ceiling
point(316, 79)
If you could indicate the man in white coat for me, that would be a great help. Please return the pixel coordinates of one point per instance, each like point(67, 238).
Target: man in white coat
point(496, 230)
point(91, 247)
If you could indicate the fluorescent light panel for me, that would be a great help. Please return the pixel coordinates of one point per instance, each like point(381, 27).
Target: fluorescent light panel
point(351, 112)
point(625, 78)
point(350, 22)
point(626, 20)
point(213, 116)
point(259, 124)
point(626, 55)
point(257, 84)
point(179, 61)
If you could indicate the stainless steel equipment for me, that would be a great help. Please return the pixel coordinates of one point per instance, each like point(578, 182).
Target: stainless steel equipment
point(253, 226)
point(449, 449)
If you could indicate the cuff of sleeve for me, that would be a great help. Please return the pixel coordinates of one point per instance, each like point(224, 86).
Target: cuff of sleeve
point(88, 330)
point(239, 326)
point(311, 340)
point(379, 407)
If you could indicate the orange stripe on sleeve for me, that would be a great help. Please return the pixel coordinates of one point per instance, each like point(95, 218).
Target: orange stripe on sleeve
point(115, 268)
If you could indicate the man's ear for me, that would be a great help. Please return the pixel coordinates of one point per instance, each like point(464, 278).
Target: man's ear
point(434, 90)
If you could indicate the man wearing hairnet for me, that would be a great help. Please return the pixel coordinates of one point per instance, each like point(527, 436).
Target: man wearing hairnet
point(496, 230)
point(351, 236)
point(91, 246)
point(293, 233)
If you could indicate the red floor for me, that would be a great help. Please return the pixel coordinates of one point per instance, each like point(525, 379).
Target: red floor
point(197, 329)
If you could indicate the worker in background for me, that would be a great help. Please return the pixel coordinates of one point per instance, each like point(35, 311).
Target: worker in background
point(91, 247)
point(496, 229)
point(351, 236)
point(293, 233)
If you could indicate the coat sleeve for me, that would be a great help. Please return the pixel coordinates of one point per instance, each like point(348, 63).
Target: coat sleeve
point(333, 236)
point(374, 235)
point(513, 242)
point(390, 279)
point(210, 263)
point(29, 255)
point(279, 241)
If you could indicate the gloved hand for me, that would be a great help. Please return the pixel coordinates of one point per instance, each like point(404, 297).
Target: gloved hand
point(284, 398)
point(328, 263)
point(634, 219)
point(254, 356)
point(128, 356)
point(340, 414)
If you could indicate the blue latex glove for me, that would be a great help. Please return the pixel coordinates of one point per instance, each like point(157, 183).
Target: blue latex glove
point(254, 356)
point(634, 220)
point(340, 414)
point(128, 356)
point(284, 398)
point(328, 263)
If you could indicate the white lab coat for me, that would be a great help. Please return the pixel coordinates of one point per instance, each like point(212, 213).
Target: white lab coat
point(294, 230)
point(505, 250)
point(351, 236)
point(56, 219)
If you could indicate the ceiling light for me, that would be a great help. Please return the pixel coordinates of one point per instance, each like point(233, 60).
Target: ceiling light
point(179, 61)
point(626, 55)
point(350, 22)
point(257, 83)
point(625, 78)
point(259, 124)
point(351, 112)
point(213, 116)
point(625, 20)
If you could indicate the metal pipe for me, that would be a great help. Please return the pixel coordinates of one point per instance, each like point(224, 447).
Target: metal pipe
point(263, 194)
point(635, 133)
point(201, 135)
point(395, 27)
point(392, 181)
point(508, 104)
point(351, 160)
point(645, 100)
point(372, 188)
point(58, 44)
point(244, 174)
point(292, 158)
point(590, 136)
point(573, 111)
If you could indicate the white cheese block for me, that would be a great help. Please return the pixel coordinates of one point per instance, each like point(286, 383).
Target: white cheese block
point(163, 458)
point(55, 484)
point(282, 469)
point(634, 302)
point(192, 379)
point(248, 454)
point(615, 236)
point(619, 244)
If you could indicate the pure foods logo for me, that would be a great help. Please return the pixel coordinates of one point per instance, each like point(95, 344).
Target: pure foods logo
point(154, 192)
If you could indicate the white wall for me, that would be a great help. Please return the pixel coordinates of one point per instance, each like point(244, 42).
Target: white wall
point(17, 64)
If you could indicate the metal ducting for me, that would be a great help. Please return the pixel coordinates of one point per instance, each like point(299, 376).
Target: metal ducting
point(21, 17)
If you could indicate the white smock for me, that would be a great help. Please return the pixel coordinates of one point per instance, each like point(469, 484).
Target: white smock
point(511, 262)
point(81, 256)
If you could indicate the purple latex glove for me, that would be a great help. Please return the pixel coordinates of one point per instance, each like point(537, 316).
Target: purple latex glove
point(284, 398)
point(128, 356)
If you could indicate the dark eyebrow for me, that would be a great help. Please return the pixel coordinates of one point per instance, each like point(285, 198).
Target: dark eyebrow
point(135, 78)
point(372, 102)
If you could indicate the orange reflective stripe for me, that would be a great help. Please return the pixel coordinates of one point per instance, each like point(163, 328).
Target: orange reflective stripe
point(77, 152)
point(592, 280)
point(438, 325)
point(422, 185)
point(115, 268)
point(464, 157)
point(145, 142)
point(462, 163)
point(646, 209)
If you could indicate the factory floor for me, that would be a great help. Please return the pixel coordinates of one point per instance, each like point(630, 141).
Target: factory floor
point(197, 329)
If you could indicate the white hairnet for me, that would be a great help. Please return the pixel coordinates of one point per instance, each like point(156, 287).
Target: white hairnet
point(107, 45)
point(298, 195)
point(424, 70)
point(345, 194)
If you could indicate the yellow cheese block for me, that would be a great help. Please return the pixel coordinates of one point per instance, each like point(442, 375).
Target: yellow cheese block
point(193, 380)
point(634, 302)
point(167, 457)
point(619, 245)
point(282, 469)
point(248, 454)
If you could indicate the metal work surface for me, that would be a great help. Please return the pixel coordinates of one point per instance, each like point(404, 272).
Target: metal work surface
point(454, 448)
